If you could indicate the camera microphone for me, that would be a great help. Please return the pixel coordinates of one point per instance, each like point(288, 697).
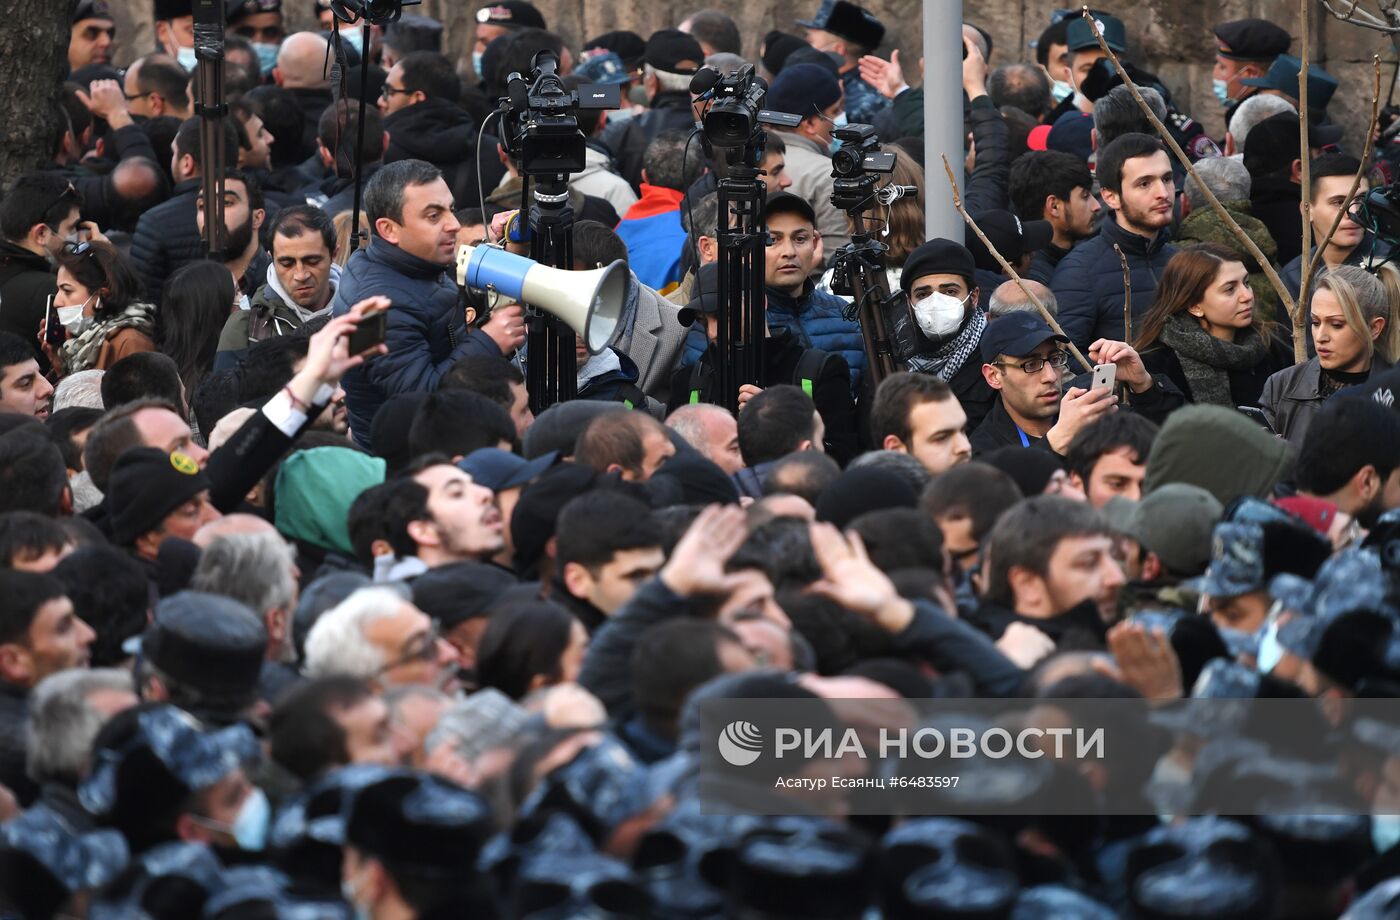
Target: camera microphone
point(704, 80)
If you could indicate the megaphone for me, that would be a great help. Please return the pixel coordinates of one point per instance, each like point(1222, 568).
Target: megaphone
point(590, 302)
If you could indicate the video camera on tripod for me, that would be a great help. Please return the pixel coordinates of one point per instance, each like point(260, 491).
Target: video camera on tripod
point(541, 123)
point(1379, 212)
point(732, 123)
point(858, 268)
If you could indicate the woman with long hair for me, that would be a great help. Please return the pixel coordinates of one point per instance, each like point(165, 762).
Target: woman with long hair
point(903, 222)
point(1356, 331)
point(1205, 331)
point(99, 303)
point(195, 305)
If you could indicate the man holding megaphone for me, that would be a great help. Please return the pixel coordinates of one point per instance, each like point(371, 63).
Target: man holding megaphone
point(413, 244)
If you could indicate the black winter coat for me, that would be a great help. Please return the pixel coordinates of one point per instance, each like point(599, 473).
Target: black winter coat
point(630, 139)
point(1088, 283)
point(26, 282)
point(443, 134)
point(426, 333)
point(1275, 202)
point(167, 239)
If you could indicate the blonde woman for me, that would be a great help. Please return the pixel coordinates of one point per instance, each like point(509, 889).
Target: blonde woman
point(1356, 331)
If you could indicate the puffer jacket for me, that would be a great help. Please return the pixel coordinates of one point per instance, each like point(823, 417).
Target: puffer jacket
point(1088, 282)
point(816, 319)
point(426, 333)
point(167, 239)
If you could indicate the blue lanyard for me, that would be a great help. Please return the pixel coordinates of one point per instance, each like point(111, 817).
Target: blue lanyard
point(1025, 442)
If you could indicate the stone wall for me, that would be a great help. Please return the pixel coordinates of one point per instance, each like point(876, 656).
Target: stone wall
point(1169, 37)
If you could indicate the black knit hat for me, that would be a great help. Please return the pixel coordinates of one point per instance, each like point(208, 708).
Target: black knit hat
point(938, 257)
point(146, 485)
point(777, 46)
point(629, 46)
point(674, 51)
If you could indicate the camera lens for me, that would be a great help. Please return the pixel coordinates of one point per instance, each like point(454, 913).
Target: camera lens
point(845, 162)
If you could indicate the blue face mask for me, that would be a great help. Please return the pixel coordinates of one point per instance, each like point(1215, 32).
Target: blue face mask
point(1061, 90)
point(1385, 831)
point(250, 827)
point(187, 59)
point(476, 63)
point(1221, 90)
point(353, 38)
point(1270, 652)
point(267, 56)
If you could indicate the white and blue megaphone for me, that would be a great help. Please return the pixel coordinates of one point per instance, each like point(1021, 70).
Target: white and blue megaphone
point(590, 302)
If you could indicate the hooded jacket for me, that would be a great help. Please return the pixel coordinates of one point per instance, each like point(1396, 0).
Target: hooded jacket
point(1088, 283)
point(426, 331)
point(271, 312)
point(818, 320)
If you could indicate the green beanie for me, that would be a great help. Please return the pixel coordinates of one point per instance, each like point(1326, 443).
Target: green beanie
point(315, 489)
point(1219, 450)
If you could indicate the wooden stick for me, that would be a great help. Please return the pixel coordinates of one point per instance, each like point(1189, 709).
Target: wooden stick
point(1006, 267)
point(1310, 267)
point(1300, 349)
point(1127, 295)
point(1284, 297)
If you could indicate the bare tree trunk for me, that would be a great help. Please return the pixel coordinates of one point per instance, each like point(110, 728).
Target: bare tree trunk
point(34, 49)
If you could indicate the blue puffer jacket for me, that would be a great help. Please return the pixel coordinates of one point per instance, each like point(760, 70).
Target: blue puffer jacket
point(426, 333)
point(815, 319)
point(1088, 283)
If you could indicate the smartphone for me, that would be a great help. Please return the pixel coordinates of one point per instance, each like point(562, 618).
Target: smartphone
point(369, 333)
point(1105, 376)
point(1256, 415)
point(54, 333)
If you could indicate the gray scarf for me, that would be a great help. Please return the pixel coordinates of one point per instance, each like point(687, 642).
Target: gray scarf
point(950, 358)
point(1207, 361)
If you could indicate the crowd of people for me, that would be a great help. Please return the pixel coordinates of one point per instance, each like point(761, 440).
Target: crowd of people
point(293, 630)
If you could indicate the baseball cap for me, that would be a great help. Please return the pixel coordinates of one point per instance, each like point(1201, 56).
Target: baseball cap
point(498, 469)
point(1011, 236)
point(599, 65)
point(516, 13)
point(1017, 334)
point(788, 203)
point(674, 51)
point(1072, 133)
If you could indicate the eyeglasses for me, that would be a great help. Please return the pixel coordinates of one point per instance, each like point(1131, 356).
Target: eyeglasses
point(1056, 359)
point(133, 97)
point(70, 192)
point(420, 648)
point(389, 91)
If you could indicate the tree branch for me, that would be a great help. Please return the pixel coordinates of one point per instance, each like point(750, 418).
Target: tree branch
point(1311, 266)
point(1284, 297)
point(1006, 266)
point(1300, 346)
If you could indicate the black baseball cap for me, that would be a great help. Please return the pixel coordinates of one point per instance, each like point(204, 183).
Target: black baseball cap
point(674, 51)
point(1011, 236)
point(788, 203)
point(511, 13)
point(1017, 334)
point(1273, 143)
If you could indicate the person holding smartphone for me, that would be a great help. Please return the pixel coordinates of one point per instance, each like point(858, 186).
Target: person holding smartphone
point(101, 311)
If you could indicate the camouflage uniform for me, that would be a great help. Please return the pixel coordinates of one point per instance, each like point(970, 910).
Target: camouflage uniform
point(1205, 226)
point(863, 101)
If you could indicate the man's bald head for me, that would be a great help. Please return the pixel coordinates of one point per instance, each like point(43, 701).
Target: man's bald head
point(1009, 298)
point(303, 62)
point(229, 526)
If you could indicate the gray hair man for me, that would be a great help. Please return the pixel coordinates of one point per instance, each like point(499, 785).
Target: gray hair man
point(377, 635)
point(1009, 298)
point(1226, 177)
point(1249, 114)
point(66, 710)
point(259, 570)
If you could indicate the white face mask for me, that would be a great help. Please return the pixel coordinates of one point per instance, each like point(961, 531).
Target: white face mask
point(939, 316)
point(187, 59)
point(73, 319)
point(1061, 90)
point(354, 38)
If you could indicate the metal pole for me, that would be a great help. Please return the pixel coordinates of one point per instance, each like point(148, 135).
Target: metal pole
point(943, 113)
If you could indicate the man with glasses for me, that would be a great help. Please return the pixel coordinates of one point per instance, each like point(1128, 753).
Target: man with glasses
point(378, 636)
point(1023, 361)
point(156, 86)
